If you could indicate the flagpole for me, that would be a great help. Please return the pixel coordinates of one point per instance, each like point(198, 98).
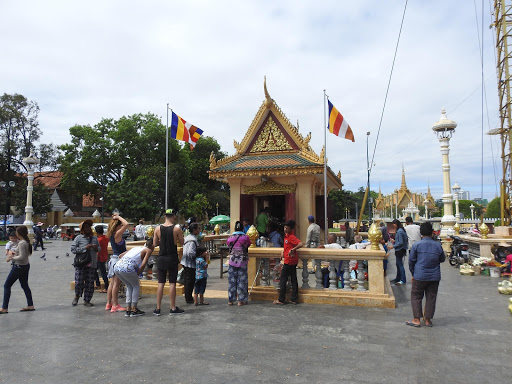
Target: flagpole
point(326, 231)
point(167, 158)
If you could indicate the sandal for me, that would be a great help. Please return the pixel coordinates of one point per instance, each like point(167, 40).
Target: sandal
point(103, 291)
point(204, 303)
point(240, 303)
point(27, 309)
point(230, 303)
point(2, 312)
point(277, 302)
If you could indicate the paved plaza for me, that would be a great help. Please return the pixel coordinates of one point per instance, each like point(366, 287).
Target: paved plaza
point(471, 341)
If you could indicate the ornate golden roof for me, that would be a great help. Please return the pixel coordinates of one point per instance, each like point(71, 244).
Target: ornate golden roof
point(272, 144)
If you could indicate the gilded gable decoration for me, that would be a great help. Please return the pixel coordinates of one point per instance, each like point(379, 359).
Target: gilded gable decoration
point(269, 187)
point(271, 139)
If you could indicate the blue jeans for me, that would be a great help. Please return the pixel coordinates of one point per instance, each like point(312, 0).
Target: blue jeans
point(400, 270)
point(17, 272)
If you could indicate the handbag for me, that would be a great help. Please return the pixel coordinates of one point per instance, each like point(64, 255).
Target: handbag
point(180, 279)
point(83, 259)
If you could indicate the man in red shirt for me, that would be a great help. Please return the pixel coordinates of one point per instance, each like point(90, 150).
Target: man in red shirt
point(291, 259)
point(102, 257)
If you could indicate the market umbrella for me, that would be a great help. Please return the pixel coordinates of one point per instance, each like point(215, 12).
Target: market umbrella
point(220, 219)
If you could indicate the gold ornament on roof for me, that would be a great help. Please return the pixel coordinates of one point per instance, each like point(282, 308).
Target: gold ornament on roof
point(268, 99)
point(213, 161)
point(271, 139)
point(236, 144)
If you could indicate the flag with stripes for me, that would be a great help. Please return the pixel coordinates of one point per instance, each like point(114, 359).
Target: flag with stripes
point(338, 125)
point(181, 130)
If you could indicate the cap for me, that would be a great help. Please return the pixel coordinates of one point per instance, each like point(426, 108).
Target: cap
point(170, 212)
point(39, 224)
point(311, 218)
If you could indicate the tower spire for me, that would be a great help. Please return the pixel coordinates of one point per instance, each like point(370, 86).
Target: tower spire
point(403, 185)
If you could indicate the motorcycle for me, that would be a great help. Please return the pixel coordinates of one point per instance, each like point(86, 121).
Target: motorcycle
point(459, 251)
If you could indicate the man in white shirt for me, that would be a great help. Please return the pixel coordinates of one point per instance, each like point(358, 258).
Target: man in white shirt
point(413, 232)
point(139, 231)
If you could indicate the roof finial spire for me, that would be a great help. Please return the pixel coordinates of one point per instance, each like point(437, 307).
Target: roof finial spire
point(268, 99)
point(403, 186)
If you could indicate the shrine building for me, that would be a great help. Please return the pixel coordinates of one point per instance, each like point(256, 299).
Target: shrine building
point(274, 166)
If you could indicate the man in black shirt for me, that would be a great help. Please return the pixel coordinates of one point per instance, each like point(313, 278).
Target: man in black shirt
point(167, 236)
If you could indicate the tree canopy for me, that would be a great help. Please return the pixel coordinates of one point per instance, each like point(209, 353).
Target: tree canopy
point(19, 133)
point(126, 158)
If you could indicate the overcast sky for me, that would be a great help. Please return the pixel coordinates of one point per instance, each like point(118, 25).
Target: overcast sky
point(83, 61)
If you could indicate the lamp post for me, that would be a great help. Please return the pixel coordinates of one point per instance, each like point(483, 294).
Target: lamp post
point(30, 163)
point(472, 207)
point(217, 205)
point(426, 208)
point(444, 129)
point(456, 189)
point(368, 169)
point(7, 188)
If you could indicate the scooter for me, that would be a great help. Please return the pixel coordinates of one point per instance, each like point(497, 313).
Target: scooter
point(459, 251)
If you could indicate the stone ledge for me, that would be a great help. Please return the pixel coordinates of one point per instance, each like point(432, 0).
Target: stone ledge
point(150, 287)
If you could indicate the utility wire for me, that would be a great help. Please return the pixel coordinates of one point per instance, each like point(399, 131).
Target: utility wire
point(387, 90)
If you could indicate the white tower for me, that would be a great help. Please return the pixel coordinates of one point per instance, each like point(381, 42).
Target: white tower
point(444, 129)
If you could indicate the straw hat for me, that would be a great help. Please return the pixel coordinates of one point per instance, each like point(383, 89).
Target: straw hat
point(503, 244)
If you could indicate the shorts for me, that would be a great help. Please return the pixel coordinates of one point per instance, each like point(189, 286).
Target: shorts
point(167, 265)
point(200, 286)
point(111, 263)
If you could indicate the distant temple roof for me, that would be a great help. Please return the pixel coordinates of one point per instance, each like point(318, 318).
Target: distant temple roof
point(272, 146)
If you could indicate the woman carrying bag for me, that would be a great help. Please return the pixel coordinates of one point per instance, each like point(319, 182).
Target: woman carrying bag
point(238, 285)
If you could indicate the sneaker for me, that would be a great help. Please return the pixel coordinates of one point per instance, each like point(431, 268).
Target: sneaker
point(399, 283)
point(108, 307)
point(136, 313)
point(88, 304)
point(74, 302)
point(156, 312)
point(128, 314)
point(176, 311)
point(117, 308)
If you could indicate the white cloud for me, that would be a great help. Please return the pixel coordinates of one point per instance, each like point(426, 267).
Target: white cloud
point(84, 61)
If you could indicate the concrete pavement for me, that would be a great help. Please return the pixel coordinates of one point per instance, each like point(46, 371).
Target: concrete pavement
point(469, 343)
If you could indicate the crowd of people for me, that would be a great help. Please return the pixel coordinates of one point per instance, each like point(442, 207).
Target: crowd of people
point(126, 266)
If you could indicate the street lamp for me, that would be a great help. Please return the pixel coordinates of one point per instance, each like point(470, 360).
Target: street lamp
point(7, 188)
point(426, 208)
point(217, 205)
point(456, 189)
point(472, 207)
point(30, 163)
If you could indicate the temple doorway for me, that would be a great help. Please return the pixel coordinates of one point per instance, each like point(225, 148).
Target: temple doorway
point(276, 207)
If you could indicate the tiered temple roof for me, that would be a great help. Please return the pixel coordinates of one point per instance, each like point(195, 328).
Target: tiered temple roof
point(272, 146)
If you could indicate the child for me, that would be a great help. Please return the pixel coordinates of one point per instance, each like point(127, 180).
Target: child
point(291, 259)
point(12, 245)
point(202, 259)
point(102, 257)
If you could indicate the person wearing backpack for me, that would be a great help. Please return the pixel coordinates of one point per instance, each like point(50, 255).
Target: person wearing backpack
point(238, 281)
point(85, 247)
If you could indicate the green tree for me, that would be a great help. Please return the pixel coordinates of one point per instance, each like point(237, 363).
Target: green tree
point(127, 158)
point(493, 208)
point(19, 133)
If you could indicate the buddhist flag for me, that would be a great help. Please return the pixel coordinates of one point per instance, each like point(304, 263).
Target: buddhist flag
point(338, 125)
point(195, 134)
point(181, 130)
